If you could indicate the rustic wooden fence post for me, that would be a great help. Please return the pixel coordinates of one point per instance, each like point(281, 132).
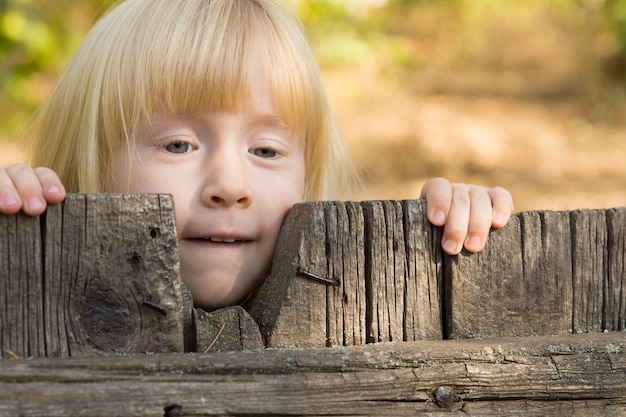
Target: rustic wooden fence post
point(545, 273)
point(352, 273)
point(96, 274)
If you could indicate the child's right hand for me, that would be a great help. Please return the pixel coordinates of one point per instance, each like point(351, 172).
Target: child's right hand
point(28, 189)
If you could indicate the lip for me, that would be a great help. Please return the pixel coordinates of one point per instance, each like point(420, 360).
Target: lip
point(206, 246)
point(218, 239)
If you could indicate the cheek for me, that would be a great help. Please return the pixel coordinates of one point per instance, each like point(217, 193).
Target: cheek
point(298, 185)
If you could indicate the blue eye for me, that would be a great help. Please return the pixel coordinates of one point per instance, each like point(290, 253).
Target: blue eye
point(264, 152)
point(178, 147)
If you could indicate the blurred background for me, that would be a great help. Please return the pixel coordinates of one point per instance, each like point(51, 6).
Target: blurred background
point(526, 94)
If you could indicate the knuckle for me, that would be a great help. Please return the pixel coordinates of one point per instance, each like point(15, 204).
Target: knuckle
point(17, 169)
point(477, 228)
point(454, 233)
point(462, 197)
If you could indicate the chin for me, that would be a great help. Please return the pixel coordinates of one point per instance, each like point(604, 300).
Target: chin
point(221, 291)
point(212, 300)
point(210, 297)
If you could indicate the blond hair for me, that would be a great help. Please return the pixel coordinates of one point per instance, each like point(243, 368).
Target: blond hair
point(146, 56)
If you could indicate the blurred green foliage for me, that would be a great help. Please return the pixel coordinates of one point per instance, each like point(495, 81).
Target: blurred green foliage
point(36, 39)
point(616, 14)
point(38, 36)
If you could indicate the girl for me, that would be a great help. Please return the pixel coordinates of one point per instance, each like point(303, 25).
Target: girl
point(219, 103)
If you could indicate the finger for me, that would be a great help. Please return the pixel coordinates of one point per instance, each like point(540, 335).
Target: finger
point(480, 218)
point(51, 185)
point(455, 229)
point(10, 201)
point(28, 188)
point(438, 195)
point(502, 203)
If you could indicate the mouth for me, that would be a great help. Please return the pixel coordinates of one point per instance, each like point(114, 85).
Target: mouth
point(223, 239)
point(215, 239)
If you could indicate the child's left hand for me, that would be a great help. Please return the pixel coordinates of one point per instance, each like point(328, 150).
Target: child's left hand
point(466, 211)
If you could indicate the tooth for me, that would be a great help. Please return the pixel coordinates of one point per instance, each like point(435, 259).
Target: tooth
point(225, 240)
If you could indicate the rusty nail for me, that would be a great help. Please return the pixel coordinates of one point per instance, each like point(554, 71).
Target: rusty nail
point(306, 274)
point(155, 306)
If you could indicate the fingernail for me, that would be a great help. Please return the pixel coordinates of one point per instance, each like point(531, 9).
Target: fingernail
point(474, 243)
point(54, 189)
point(439, 217)
point(450, 246)
point(498, 218)
point(34, 203)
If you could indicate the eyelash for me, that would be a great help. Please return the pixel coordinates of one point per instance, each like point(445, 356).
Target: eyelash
point(274, 152)
point(264, 152)
point(166, 145)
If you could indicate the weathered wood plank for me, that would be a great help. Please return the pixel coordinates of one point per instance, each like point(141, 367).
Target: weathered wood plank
point(226, 329)
point(615, 316)
point(346, 307)
point(521, 284)
point(279, 307)
point(385, 265)
point(96, 274)
point(582, 374)
point(589, 266)
point(544, 273)
point(387, 276)
point(425, 296)
point(21, 329)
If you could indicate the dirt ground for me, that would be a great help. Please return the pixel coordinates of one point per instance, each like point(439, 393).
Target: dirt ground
point(532, 102)
point(547, 156)
point(526, 105)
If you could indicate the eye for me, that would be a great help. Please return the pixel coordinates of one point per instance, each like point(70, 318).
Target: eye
point(264, 152)
point(178, 147)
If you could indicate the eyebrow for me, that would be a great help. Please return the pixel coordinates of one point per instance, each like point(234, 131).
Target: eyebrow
point(272, 120)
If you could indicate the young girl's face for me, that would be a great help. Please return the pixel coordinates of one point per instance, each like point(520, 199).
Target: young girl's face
point(233, 176)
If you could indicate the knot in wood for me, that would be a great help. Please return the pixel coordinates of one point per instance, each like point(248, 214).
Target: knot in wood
point(444, 397)
point(173, 410)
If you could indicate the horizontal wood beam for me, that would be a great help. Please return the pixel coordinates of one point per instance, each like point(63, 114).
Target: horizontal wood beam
point(577, 375)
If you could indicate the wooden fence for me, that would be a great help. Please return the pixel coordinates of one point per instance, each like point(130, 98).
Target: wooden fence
point(94, 319)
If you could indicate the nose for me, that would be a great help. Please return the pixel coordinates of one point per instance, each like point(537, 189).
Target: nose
point(227, 182)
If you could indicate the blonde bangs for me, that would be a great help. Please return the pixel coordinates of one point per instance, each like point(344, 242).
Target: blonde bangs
point(208, 58)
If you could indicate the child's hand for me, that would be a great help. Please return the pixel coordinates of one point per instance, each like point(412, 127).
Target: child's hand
point(28, 189)
point(467, 212)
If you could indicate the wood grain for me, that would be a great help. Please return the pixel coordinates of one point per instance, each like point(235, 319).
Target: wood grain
point(387, 277)
point(546, 272)
point(576, 375)
point(97, 274)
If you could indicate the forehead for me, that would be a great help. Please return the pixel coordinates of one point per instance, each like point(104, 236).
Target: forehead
point(236, 56)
